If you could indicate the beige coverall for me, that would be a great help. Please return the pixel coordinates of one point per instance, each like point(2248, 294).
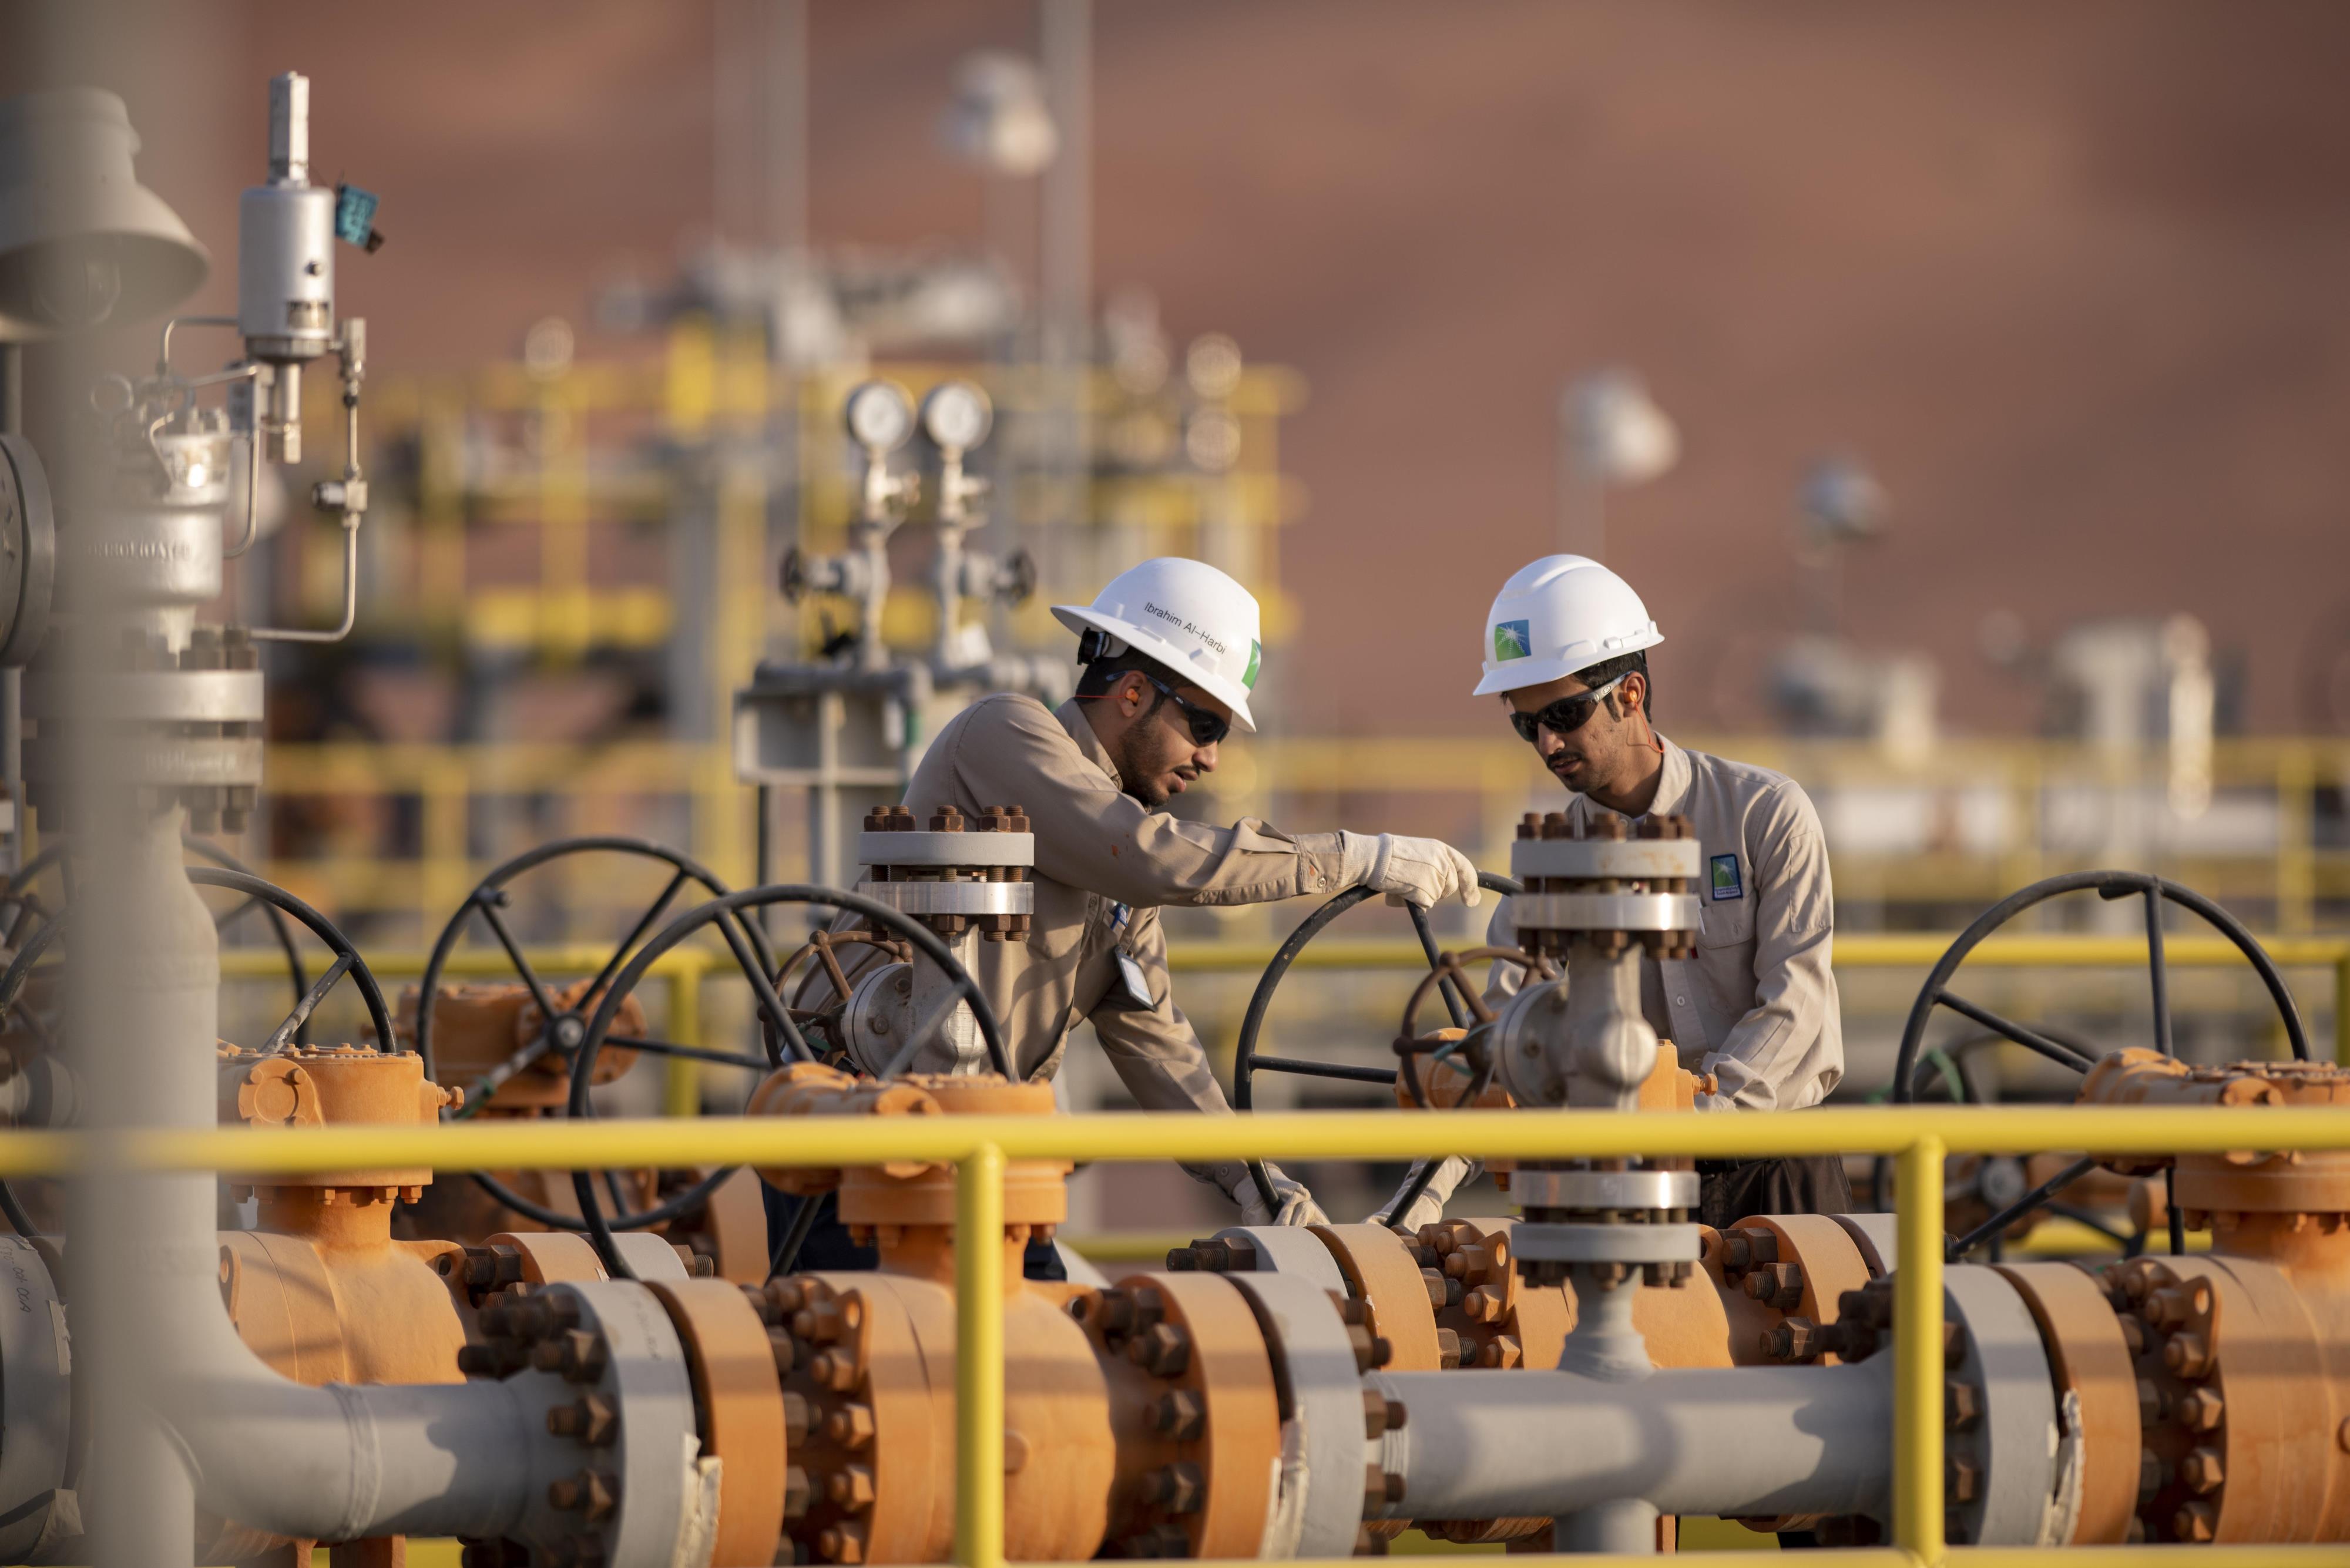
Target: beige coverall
point(1757, 1007)
point(1105, 865)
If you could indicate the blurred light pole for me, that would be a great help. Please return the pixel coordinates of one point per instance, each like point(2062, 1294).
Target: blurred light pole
point(1842, 504)
point(1610, 433)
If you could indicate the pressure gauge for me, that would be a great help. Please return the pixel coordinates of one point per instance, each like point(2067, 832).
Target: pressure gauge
point(881, 416)
point(956, 416)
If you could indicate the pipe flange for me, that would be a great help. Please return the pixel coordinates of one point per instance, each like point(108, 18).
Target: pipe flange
point(1196, 1360)
point(1631, 860)
point(1330, 1425)
point(1545, 1242)
point(36, 1398)
point(931, 849)
point(1263, 1250)
point(615, 1479)
point(1604, 912)
point(2090, 1352)
point(2001, 1443)
point(741, 1405)
point(1385, 1271)
point(953, 898)
point(1534, 1188)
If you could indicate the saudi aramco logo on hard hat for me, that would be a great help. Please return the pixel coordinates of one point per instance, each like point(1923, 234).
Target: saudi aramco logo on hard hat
point(1256, 657)
point(1511, 640)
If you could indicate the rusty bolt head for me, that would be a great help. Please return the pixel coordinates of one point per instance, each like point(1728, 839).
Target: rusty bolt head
point(784, 1297)
point(850, 1488)
point(2132, 1335)
point(1179, 1416)
point(2149, 1402)
point(1954, 1343)
point(1447, 1349)
point(795, 1491)
point(582, 1353)
point(783, 1348)
point(2187, 1355)
point(1503, 1351)
point(842, 1542)
point(2198, 1409)
point(2151, 1473)
point(1163, 1350)
point(2194, 1522)
point(1177, 1488)
point(2201, 1470)
point(1483, 1304)
point(1960, 1480)
point(1961, 1405)
point(835, 1370)
point(850, 1427)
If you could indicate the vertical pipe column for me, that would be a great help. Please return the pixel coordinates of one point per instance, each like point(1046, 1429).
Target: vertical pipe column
point(12, 682)
point(682, 1086)
point(1918, 1354)
point(979, 1359)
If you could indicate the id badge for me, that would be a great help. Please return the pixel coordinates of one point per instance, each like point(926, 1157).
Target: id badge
point(1137, 984)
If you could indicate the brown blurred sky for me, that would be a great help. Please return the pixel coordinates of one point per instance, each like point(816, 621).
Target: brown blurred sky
point(2069, 279)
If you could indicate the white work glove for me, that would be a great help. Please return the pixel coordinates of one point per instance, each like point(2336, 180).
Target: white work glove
point(1429, 1207)
point(1422, 872)
point(1297, 1205)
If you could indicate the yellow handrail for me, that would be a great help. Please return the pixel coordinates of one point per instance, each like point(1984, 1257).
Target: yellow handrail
point(1918, 1136)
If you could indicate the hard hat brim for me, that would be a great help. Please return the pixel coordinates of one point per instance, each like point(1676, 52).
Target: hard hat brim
point(1516, 674)
point(1079, 619)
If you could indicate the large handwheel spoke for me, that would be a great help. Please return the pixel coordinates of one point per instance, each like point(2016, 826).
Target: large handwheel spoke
point(1998, 1223)
point(2031, 1039)
point(1346, 1070)
point(309, 1004)
point(645, 922)
point(770, 1006)
point(488, 906)
point(693, 1053)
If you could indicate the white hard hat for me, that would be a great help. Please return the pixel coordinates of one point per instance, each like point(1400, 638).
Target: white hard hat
point(1188, 616)
point(1559, 615)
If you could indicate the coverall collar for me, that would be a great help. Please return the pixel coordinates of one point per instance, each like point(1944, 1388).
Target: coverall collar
point(1072, 715)
point(1672, 784)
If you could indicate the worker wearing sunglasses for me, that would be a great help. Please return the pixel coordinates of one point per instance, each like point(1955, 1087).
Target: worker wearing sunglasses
point(1169, 659)
point(1565, 652)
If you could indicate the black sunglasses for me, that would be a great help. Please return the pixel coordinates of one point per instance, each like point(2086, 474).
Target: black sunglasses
point(1207, 727)
point(1564, 717)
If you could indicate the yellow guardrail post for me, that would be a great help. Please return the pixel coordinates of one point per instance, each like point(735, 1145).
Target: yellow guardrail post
point(681, 1088)
point(1918, 1354)
point(2342, 1010)
point(979, 1359)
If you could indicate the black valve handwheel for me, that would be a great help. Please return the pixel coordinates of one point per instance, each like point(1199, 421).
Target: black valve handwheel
point(347, 962)
point(823, 947)
point(2109, 884)
point(27, 913)
point(1472, 1046)
point(562, 1030)
point(1247, 1064)
point(728, 910)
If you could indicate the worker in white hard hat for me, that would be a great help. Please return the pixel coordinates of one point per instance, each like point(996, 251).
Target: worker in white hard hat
point(1171, 655)
point(1566, 654)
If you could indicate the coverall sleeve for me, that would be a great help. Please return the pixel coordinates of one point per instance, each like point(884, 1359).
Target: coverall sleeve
point(1156, 1052)
point(1794, 928)
point(1090, 835)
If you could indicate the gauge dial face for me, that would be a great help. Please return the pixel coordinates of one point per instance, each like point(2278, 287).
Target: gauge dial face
point(956, 415)
point(881, 416)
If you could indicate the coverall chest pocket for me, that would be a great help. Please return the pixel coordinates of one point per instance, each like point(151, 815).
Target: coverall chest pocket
point(1726, 924)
